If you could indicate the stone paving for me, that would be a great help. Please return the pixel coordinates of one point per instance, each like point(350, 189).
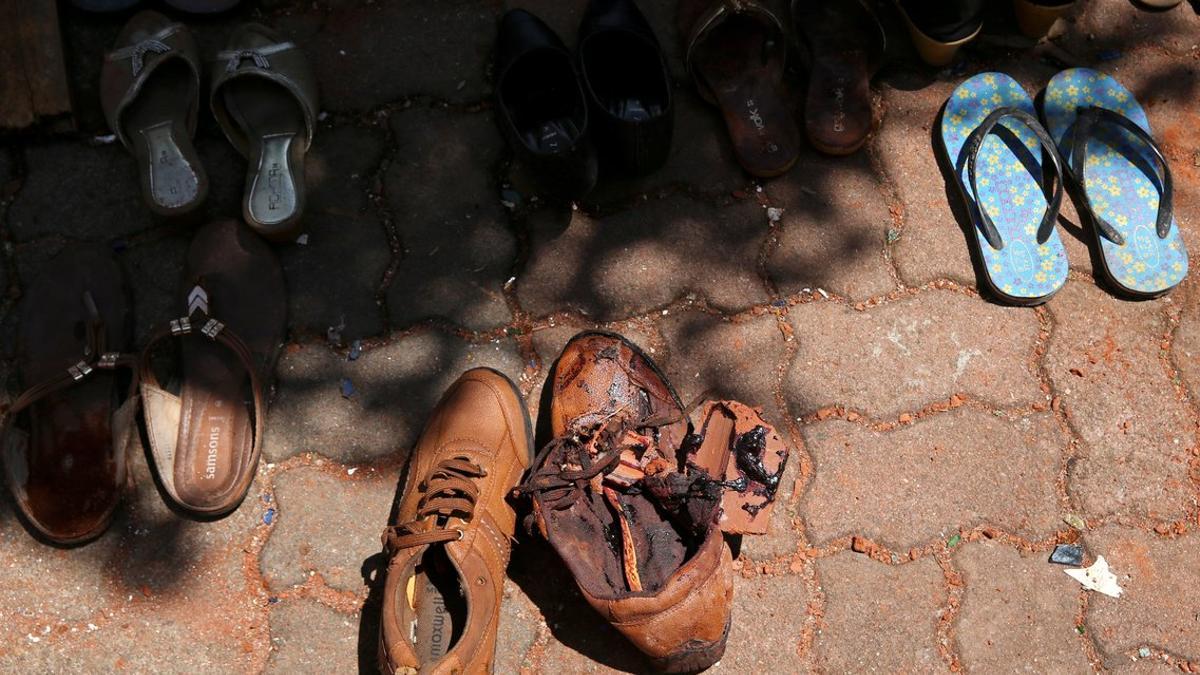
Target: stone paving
point(939, 440)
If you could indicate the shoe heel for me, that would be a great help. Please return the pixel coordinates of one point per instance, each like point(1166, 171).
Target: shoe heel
point(1035, 20)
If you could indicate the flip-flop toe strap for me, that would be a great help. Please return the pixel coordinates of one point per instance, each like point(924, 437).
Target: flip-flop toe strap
point(1086, 121)
point(975, 143)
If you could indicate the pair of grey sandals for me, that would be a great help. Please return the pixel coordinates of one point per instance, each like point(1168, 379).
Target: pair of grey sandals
point(263, 95)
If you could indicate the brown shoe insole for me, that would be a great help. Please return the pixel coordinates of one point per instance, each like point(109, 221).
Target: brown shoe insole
point(173, 180)
point(215, 460)
point(273, 123)
point(735, 62)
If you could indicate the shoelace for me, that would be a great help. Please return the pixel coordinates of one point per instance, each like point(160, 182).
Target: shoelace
point(450, 491)
point(558, 487)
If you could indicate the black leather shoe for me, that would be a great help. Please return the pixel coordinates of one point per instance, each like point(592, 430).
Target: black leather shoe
point(541, 105)
point(628, 86)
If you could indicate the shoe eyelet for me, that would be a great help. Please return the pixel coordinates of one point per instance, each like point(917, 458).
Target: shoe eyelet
point(461, 534)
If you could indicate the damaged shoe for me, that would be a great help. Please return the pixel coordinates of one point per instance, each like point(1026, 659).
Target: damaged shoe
point(450, 541)
point(633, 502)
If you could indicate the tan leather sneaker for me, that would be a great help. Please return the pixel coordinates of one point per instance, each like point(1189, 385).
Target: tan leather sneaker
point(450, 543)
point(638, 530)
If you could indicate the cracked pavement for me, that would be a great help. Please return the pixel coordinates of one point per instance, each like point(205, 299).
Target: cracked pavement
point(938, 440)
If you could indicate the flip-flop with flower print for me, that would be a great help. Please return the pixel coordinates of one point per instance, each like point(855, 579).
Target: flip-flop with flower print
point(991, 137)
point(1119, 178)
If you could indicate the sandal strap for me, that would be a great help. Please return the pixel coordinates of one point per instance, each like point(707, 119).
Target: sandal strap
point(95, 357)
point(975, 143)
point(234, 58)
point(1086, 120)
point(155, 44)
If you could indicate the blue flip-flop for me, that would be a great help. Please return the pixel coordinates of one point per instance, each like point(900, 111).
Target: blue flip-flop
point(994, 142)
point(1120, 180)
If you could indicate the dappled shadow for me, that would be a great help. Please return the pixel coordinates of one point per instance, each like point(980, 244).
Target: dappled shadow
point(407, 232)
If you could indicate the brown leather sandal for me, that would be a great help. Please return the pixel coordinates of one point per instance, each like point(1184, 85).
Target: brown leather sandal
point(150, 92)
point(205, 439)
point(264, 96)
point(736, 53)
point(64, 437)
point(844, 42)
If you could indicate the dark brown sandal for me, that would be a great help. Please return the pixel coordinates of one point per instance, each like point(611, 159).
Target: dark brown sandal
point(205, 440)
point(64, 437)
point(264, 96)
point(844, 42)
point(736, 53)
point(150, 92)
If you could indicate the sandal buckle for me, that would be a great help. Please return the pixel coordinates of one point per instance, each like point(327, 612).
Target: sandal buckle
point(212, 329)
point(79, 370)
point(181, 326)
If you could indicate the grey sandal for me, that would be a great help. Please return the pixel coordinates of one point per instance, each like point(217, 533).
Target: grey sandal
point(264, 96)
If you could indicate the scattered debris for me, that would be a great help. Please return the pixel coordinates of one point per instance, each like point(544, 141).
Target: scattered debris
point(106, 140)
point(272, 600)
point(302, 239)
point(269, 516)
point(1144, 652)
point(333, 334)
point(1067, 554)
point(893, 235)
point(510, 198)
point(355, 350)
point(774, 214)
point(953, 541)
point(1109, 55)
point(347, 388)
point(119, 245)
point(1075, 522)
point(323, 116)
point(1097, 578)
point(351, 470)
point(823, 293)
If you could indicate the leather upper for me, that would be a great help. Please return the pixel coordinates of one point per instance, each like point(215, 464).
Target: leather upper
point(598, 374)
point(147, 42)
point(482, 419)
point(256, 51)
point(682, 624)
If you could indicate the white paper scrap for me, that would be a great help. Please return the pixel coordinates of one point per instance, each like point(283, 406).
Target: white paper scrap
point(1097, 578)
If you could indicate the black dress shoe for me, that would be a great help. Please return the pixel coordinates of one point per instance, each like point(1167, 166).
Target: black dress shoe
point(541, 105)
point(628, 86)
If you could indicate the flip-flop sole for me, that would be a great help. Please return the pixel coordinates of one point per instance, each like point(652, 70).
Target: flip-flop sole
point(762, 127)
point(1010, 179)
point(1120, 181)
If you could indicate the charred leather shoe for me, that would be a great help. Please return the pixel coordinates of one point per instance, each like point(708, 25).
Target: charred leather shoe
point(620, 496)
point(449, 544)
